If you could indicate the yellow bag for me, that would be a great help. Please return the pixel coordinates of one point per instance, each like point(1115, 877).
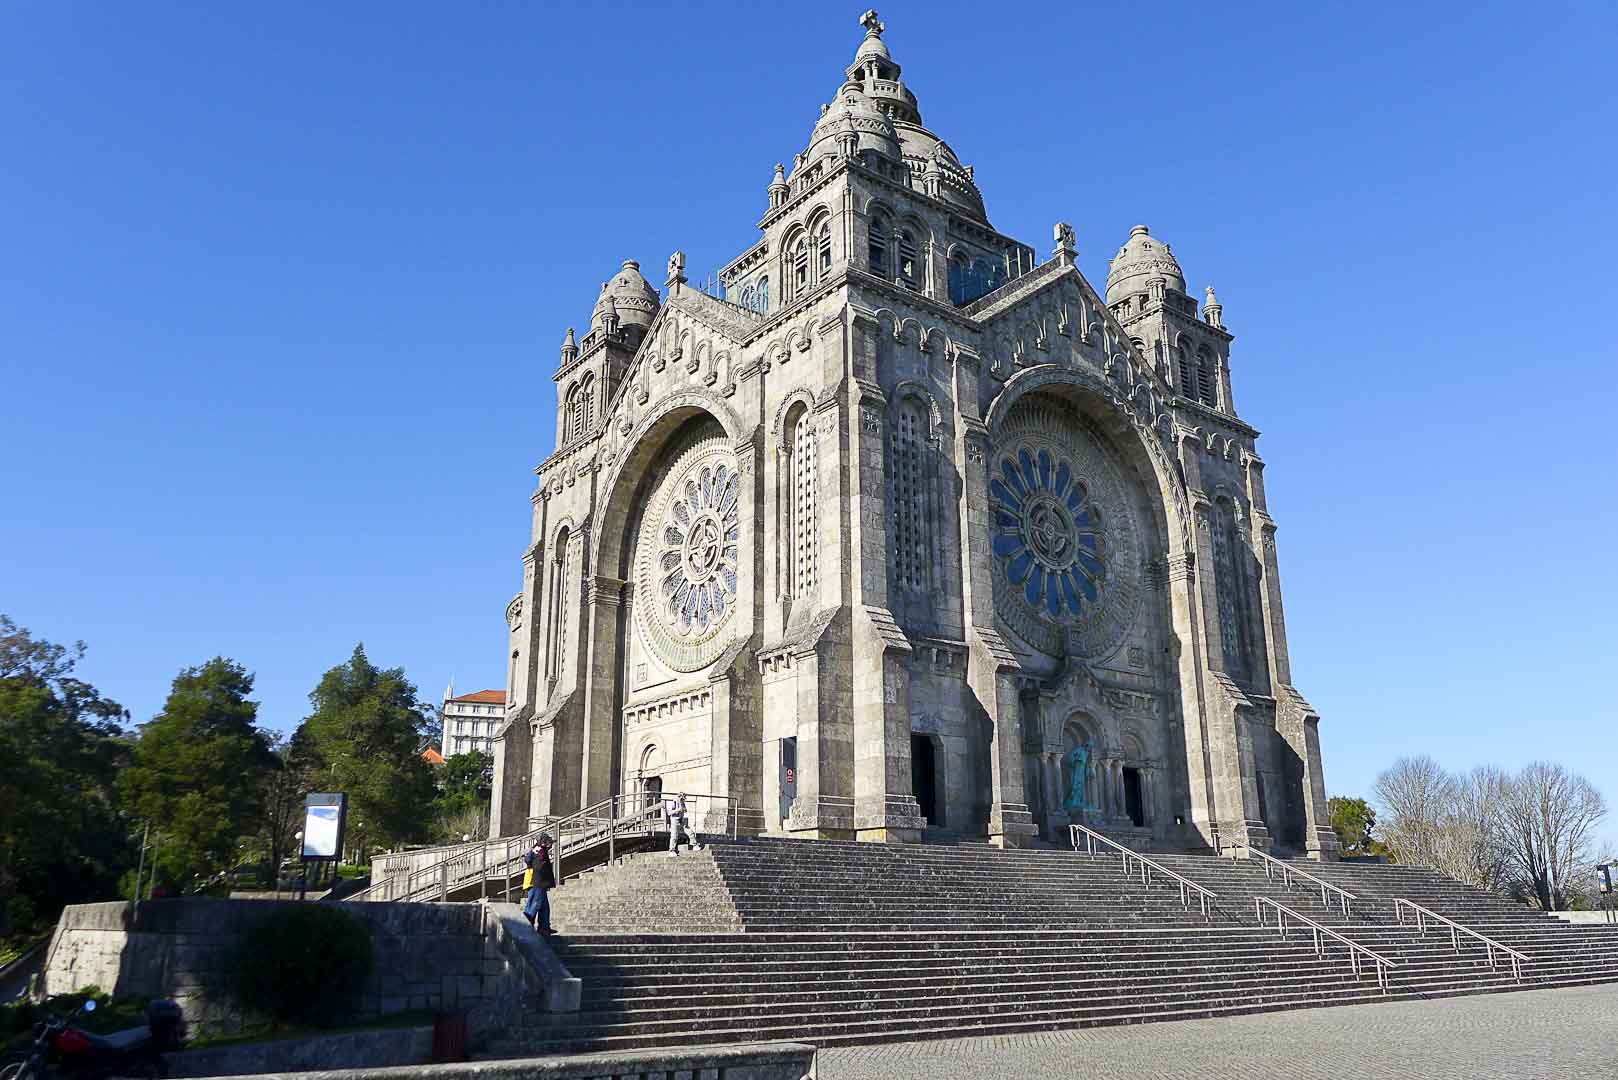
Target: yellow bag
point(528, 879)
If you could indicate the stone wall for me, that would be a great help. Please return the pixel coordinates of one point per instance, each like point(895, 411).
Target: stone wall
point(427, 956)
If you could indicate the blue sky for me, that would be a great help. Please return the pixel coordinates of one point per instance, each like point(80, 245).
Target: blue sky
point(283, 285)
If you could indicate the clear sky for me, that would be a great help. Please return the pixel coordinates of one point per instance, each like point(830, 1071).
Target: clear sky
point(282, 286)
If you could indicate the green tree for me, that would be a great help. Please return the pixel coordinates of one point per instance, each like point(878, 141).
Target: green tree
point(281, 805)
point(462, 806)
point(199, 772)
point(61, 746)
point(364, 738)
point(1354, 820)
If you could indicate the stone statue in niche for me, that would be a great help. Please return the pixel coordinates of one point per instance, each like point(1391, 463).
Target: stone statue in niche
point(1077, 762)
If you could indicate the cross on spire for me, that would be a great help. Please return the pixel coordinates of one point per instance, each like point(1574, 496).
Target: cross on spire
point(873, 26)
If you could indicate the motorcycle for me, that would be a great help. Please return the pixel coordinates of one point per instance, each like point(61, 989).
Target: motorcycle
point(63, 1052)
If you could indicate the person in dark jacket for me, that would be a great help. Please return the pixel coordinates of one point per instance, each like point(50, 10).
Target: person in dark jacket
point(540, 877)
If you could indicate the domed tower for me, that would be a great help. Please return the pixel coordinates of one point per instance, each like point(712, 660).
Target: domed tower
point(1146, 291)
point(589, 372)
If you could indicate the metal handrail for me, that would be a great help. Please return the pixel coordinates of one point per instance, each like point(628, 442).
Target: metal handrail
point(1187, 886)
point(1355, 949)
point(1455, 932)
point(602, 821)
point(1271, 863)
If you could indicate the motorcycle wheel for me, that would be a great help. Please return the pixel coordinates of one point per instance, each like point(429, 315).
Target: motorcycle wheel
point(15, 1069)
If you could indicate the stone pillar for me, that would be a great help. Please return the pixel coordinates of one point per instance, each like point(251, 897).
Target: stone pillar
point(824, 807)
point(885, 807)
point(992, 667)
point(599, 681)
point(884, 803)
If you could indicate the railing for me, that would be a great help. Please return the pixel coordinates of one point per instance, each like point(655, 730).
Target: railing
point(637, 814)
point(1355, 949)
point(1147, 867)
point(1288, 872)
point(1455, 932)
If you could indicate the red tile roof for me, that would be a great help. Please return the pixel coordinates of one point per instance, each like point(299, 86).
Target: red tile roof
point(431, 756)
point(484, 697)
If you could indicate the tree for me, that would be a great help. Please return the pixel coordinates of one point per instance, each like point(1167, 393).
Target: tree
point(1416, 795)
point(61, 745)
point(1471, 844)
point(462, 806)
point(363, 739)
point(1353, 820)
point(1550, 818)
point(199, 772)
point(281, 805)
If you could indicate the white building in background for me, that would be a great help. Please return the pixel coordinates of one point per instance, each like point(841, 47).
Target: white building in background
point(470, 720)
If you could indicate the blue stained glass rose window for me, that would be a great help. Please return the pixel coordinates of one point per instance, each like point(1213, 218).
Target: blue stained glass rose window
point(1047, 533)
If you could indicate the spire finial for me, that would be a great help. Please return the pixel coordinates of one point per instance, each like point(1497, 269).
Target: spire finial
point(1213, 313)
point(873, 25)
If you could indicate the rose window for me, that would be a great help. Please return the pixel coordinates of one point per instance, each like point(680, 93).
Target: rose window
point(697, 563)
point(1048, 534)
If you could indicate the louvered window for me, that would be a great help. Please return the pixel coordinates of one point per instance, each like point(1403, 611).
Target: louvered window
point(1205, 380)
point(907, 497)
point(803, 534)
point(878, 248)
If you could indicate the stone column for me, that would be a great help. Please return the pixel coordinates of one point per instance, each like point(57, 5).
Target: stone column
point(599, 684)
point(885, 807)
point(992, 667)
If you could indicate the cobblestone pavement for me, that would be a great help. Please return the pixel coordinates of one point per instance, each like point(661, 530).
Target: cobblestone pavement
point(1527, 1035)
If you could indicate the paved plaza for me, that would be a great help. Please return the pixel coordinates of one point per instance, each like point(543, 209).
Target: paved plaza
point(1520, 1036)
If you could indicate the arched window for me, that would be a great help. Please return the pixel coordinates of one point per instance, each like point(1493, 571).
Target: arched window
point(1206, 391)
point(907, 259)
point(580, 406)
point(960, 281)
point(1230, 589)
point(822, 242)
point(749, 298)
point(798, 267)
point(558, 606)
point(1188, 375)
point(763, 295)
point(802, 541)
point(910, 540)
point(877, 249)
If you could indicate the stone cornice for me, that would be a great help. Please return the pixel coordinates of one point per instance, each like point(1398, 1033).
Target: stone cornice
point(1196, 407)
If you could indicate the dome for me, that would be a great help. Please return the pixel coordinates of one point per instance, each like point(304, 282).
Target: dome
point(637, 302)
point(929, 157)
point(1142, 258)
point(853, 113)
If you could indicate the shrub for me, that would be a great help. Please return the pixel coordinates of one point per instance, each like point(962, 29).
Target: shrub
point(303, 965)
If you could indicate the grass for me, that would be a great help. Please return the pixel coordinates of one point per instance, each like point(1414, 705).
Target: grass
point(112, 1014)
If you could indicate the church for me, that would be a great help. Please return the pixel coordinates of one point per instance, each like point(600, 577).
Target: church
point(909, 531)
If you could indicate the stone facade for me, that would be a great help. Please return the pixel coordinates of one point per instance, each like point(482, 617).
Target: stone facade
point(874, 542)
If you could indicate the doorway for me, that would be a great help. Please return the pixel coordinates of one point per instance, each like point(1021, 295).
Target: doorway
point(1134, 804)
point(789, 776)
point(922, 783)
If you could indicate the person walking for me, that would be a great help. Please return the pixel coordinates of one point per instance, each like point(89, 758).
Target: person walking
point(675, 810)
point(544, 882)
point(530, 890)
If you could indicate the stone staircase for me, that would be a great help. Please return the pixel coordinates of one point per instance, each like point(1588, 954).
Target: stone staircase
point(1428, 963)
point(839, 943)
